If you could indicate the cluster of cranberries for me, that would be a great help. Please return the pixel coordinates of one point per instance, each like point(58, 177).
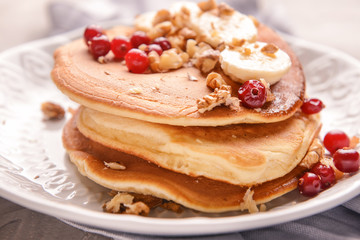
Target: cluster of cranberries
point(321, 176)
point(124, 48)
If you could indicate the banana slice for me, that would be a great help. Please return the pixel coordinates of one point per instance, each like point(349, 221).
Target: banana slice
point(255, 61)
point(217, 29)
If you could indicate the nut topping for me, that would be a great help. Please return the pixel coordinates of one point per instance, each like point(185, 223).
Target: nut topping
point(187, 33)
point(214, 80)
point(170, 60)
point(138, 208)
point(114, 165)
point(161, 16)
point(225, 10)
point(205, 58)
point(237, 42)
point(123, 203)
point(52, 111)
point(192, 78)
point(154, 61)
point(314, 154)
point(270, 50)
point(207, 5)
point(248, 202)
point(216, 98)
point(269, 95)
point(160, 30)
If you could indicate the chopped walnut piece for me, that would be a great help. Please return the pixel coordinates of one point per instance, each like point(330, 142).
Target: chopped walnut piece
point(181, 18)
point(187, 33)
point(354, 141)
point(262, 207)
point(246, 51)
point(138, 208)
point(154, 61)
point(114, 165)
point(172, 206)
point(184, 56)
point(161, 16)
point(214, 80)
point(160, 30)
point(206, 58)
point(269, 95)
point(178, 42)
point(233, 103)
point(216, 98)
point(52, 111)
point(142, 47)
point(314, 154)
point(192, 78)
point(225, 10)
point(269, 50)
point(149, 200)
point(248, 202)
point(329, 162)
point(169, 59)
point(191, 47)
point(235, 42)
point(101, 59)
point(115, 204)
point(124, 203)
point(207, 5)
point(221, 46)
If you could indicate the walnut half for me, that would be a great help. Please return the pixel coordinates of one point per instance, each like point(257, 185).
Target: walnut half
point(214, 80)
point(124, 203)
point(216, 98)
point(52, 111)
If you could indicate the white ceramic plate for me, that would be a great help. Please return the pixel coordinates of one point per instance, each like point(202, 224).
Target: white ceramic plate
point(36, 173)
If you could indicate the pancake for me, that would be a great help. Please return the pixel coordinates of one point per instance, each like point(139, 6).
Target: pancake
point(141, 176)
point(243, 154)
point(168, 98)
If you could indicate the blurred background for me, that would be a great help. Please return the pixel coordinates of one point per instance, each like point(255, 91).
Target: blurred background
point(329, 22)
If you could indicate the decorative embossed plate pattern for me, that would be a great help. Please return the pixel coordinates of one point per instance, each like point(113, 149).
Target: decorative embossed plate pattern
point(36, 173)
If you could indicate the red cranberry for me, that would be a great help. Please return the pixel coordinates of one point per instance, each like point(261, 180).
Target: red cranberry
point(346, 160)
point(99, 46)
point(136, 60)
point(309, 184)
point(326, 174)
point(312, 106)
point(120, 46)
point(153, 47)
point(163, 42)
point(336, 139)
point(92, 31)
point(138, 38)
point(252, 94)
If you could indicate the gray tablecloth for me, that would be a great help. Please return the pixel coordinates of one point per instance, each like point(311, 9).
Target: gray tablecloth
point(16, 222)
point(342, 222)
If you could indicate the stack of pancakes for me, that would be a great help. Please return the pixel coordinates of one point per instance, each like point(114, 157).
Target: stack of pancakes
point(149, 126)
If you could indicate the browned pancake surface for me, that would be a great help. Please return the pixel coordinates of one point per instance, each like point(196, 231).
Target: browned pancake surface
point(166, 97)
point(143, 177)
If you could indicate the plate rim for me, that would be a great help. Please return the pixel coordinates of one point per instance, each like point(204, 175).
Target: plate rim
point(193, 224)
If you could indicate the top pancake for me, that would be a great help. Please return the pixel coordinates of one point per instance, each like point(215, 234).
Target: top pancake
point(168, 98)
